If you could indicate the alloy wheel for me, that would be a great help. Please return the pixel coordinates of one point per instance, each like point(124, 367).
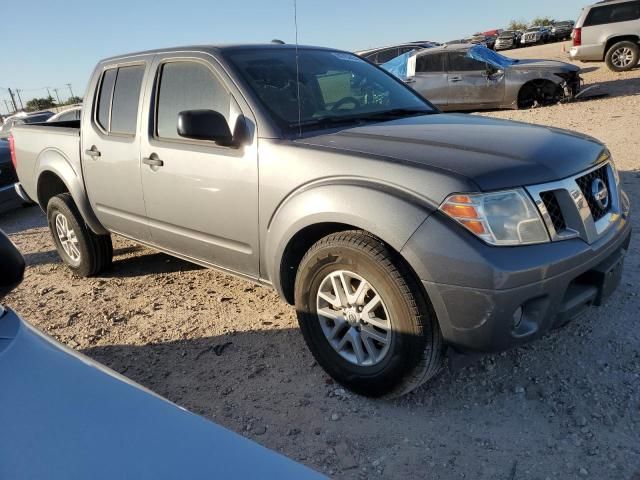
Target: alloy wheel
point(354, 318)
point(622, 57)
point(67, 237)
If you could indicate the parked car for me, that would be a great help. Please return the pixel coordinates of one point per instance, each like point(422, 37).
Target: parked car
point(562, 30)
point(488, 39)
point(20, 119)
point(535, 36)
point(468, 77)
point(508, 39)
point(8, 176)
point(69, 115)
point(394, 229)
point(385, 54)
point(609, 32)
point(62, 413)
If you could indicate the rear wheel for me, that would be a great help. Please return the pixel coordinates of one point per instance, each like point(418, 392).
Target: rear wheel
point(83, 251)
point(623, 56)
point(364, 317)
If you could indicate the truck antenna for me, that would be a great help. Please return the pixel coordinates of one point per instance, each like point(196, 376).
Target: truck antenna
point(295, 22)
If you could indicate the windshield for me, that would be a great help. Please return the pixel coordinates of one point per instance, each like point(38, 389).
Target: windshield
point(535, 29)
point(508, 33)
point(333, 87)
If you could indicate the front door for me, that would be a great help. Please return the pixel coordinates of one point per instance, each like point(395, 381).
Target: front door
point(201, 198)
point(111, 150)
point(472, 84)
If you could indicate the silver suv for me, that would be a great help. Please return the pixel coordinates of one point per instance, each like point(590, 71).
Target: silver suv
point(609, 31)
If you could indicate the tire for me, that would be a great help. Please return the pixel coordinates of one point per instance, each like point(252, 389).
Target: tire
point(622, 56)
point(413, 350)
point(84, 252)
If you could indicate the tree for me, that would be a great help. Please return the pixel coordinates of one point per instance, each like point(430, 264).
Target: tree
point(541, 22)
point(40, 104)
point(73, 100)
point(517, 25)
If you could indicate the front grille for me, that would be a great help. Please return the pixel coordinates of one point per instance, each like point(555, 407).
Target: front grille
point(585, 182)
point(7, 175)
point(555, 212)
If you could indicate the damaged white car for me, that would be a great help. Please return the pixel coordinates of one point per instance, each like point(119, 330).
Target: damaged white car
point(472, 77)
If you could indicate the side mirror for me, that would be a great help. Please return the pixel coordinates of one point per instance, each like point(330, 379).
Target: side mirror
point(205, 125)
point(11, 266)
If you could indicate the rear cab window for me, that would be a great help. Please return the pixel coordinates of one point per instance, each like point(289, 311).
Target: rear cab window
point(619, 12)
point(118, 99)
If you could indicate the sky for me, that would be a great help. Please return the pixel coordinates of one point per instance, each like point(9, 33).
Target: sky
point(65, 48)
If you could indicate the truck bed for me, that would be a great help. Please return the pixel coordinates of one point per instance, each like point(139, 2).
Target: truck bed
point(38, 144)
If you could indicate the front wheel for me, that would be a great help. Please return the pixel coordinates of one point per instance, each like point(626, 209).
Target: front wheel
point(364, 317)
point(623, 56)
point(84, 252)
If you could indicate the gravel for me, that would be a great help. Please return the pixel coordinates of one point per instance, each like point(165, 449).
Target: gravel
point(567, 406)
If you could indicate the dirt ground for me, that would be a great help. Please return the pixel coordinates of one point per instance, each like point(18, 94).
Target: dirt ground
point(567, 406)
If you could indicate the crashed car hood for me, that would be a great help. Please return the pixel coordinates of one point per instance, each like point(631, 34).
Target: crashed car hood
point(544, 64)
point(492, 153)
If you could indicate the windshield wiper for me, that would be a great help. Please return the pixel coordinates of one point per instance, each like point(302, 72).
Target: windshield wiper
point(396, 113)
point(332, 121)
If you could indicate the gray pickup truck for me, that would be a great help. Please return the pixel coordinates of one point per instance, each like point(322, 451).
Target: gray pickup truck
point(396, 231)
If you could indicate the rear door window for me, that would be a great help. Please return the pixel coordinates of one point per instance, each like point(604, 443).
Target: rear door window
point(126, 94)
point(104, 97)
point(459, 62)
point(187, 86)
point(430, 63)
point(117, 110)
point(620, 12)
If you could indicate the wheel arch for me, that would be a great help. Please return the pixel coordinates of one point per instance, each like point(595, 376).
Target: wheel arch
point(318, 212)
point(619, 38)
point(57, 175)
point(533, 82)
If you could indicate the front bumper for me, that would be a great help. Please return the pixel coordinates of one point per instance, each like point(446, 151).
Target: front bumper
point(476, 289)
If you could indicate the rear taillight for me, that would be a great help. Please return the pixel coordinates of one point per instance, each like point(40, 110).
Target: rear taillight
point(577, 37)
point(12, 150)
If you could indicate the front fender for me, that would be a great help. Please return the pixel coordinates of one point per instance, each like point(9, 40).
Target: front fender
point(391, 217)
point(54, 161)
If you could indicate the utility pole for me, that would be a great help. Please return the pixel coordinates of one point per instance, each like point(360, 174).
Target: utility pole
point(55, 90)
point(69, 85)
point(48, 93)
point(20, 99)
point(13, 100)
point(6, 104)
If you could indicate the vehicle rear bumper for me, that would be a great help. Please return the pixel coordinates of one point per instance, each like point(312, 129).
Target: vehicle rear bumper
point(587, 53)
point(477, 291)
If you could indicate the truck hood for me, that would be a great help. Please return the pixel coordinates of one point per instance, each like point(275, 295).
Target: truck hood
point(492, 153)
point(545, 64)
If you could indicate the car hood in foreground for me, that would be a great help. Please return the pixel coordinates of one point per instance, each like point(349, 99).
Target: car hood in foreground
point(490, 152)
point(64, 416)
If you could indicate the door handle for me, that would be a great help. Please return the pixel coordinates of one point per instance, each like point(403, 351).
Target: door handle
point(455, 79)
point(153, 161)
point(93, 152)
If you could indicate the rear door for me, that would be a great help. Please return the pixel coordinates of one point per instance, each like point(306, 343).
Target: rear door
point(111, 149)
point(471, 84)
point(431, 78)
point(202, 201)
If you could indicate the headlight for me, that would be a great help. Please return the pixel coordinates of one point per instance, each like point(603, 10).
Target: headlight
point(499, 218)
